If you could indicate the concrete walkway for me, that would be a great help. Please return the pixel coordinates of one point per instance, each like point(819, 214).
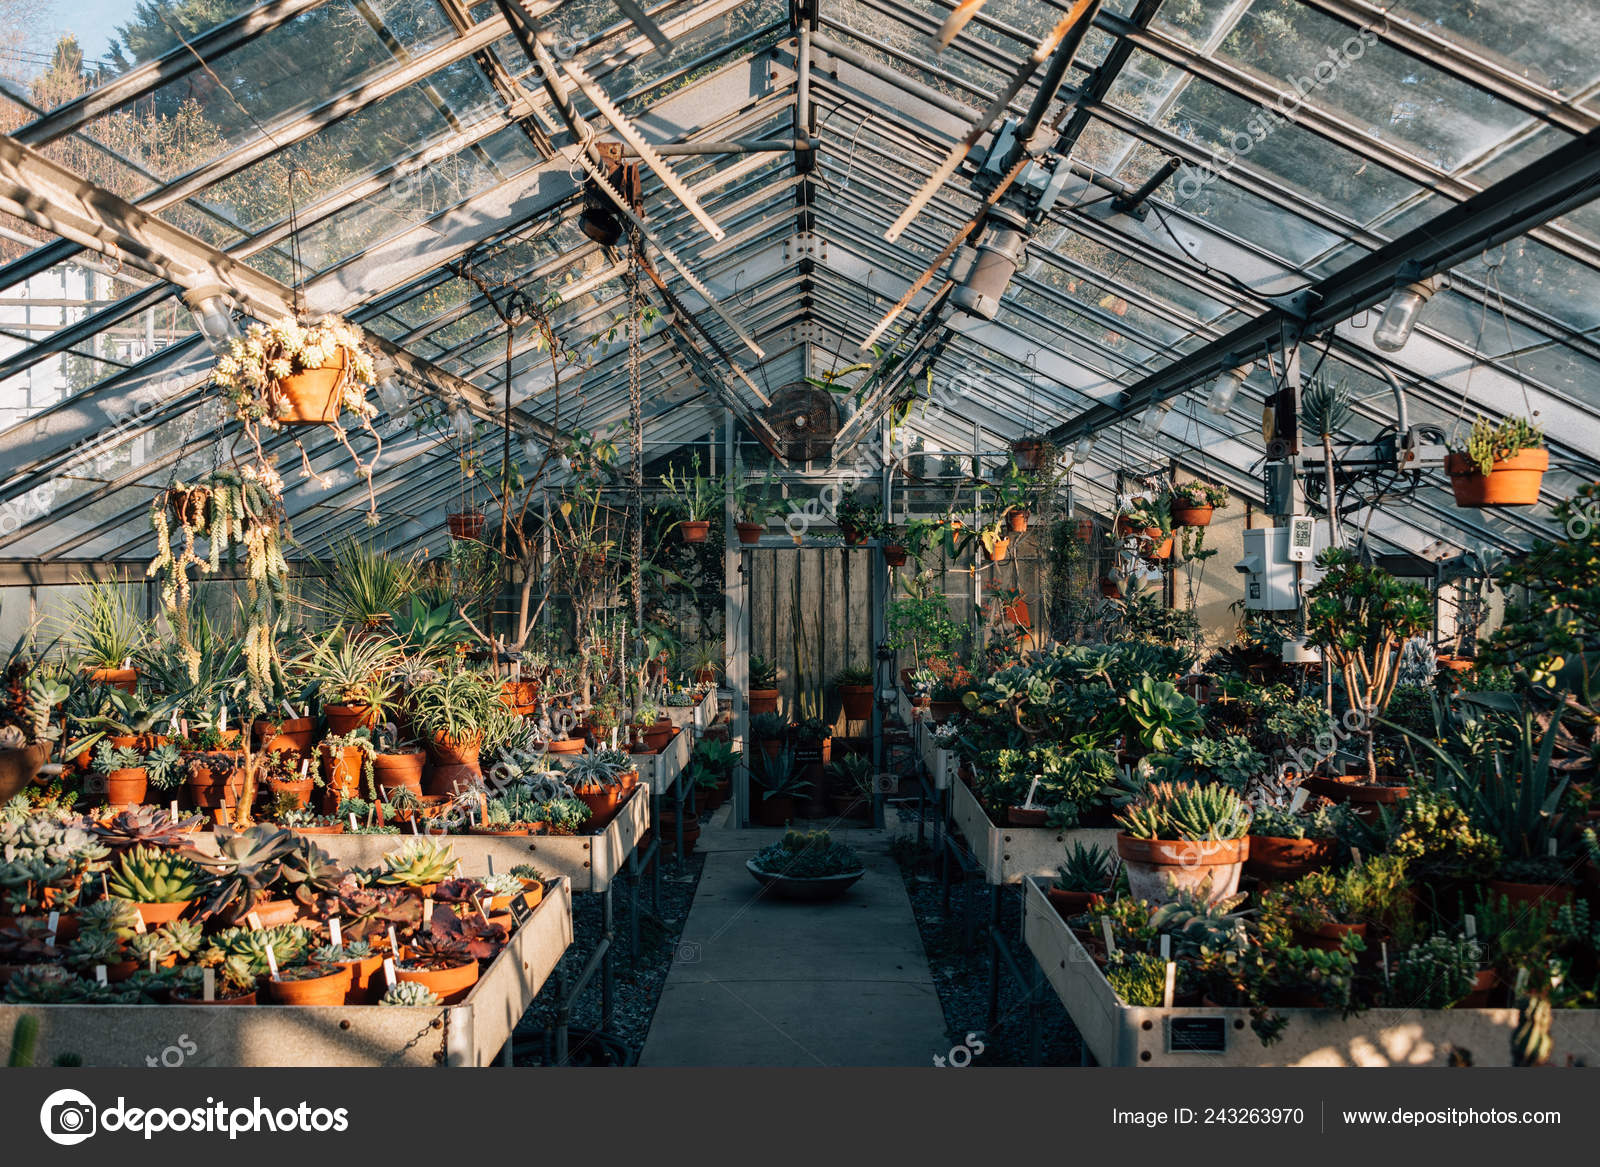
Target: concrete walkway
point(760, 981)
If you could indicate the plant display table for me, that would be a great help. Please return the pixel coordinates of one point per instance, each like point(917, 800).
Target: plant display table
point(1008, 854)
point(469, 1034)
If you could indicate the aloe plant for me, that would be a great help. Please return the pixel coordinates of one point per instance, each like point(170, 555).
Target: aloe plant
point(152, 875)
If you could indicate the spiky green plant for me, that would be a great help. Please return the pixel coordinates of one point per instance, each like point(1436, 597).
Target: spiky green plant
point(1187, 811)
point(1087, 869)
point(418, 861)
point(153, 875)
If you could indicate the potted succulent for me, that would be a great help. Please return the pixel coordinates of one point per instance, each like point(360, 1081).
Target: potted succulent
point(158, 882)
point(1285, 845)
point(697, 498)
point(246, 872)
point(1083, 880)
point(345, 761)
point(395, 764)
point(806, 866)
point(1500, 465)
point(1193, 503)
point(780, 782)
point(351, 677)
point(451, 711)
point(651, 730)
point(104, 633)
point(127, 773)
point(854, 686)
point(764, 692)
point(1184, 836)
point(596, 780)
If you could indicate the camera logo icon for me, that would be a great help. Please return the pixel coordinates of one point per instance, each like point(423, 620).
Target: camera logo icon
point(688, 952)
point(68, 1117)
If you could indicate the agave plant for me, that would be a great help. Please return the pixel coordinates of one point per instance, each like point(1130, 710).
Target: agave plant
point(364, 586)
point(1186, 811)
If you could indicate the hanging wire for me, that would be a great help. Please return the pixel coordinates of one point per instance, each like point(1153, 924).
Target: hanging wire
point(636, 424)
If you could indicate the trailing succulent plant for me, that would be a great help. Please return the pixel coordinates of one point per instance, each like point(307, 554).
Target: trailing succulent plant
point(151, 875)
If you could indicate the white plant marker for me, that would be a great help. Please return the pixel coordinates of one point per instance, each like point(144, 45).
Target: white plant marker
point(335, 934)
point(1169, 986)
point(272, 962)
point(208, 984)
point(100, 974)
point(1300, 796)
point(1470, 923)
point(1105, 928)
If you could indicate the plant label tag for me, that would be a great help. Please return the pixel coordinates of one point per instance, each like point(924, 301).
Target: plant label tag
point(254, 921)
point(698, 718)
point(287, 708)
point(1197, 1035)
point(353, 827)
point(1166, 947)
point(152, 962)
point(1105, 929)
point(335, 933)
point(478, 903)
point(388, 970)
point(488, 865)
point(172, 811)
point(1383, 947)
point(394, 945)
point(52, 922)
point(272, 962)
point(1300, 796)
point(305, 768)
point(520, 911)
point(1470, 923)
point(1171, 983)
point(138, 925)
point(414, 830)
point(1552, 844)
point(427, 913)
point(1355, 856)
point(516, 670)
point(208, 984)
point(100, 974)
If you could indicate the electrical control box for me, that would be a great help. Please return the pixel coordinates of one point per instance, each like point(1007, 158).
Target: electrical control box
point(1270, 575)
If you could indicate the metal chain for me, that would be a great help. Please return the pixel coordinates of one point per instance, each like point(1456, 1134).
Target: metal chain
point(636, 424)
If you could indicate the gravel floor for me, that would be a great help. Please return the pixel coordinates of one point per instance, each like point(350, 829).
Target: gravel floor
point(638, 985)
point(962, 977)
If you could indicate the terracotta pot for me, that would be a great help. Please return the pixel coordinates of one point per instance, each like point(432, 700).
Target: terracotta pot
point(655, 737)
point(125, 679)
point(694, 530)
point(852, 536)
point(450, 984)
point(999, 550)
point(1199, 516)
point(771, 812)
point(857, 701)
point(294, 733)
point(300, 789)
point(1083, 529)
point(1511, 482)
point(362, 988)
point(391, 771)
point(1017, 521)
point(894, 555)
point(1531, 893)
point(311, 397)
point(1026, 816)
point(341, 776)
point(1275, 860)
point(1018, 614)
point(1455, 664)
point(126, 787)
point(1109, 589)
point(500, 831)
point(520, 696)
point(1028, 453)
point(332, 987)
point(274, 913)
point(214, 790)
point(343, 719)
point(705, 676)
point(1328, 937)
point(571, 745)
point(763, 701)
point(154, 915)
point(1483, 990)
point(669, 831)
point(1363, 796)
point(464, 524)
point(944, 710)
point(1071, 903)
point(1156, 866)
point(602, 801)
point(1161, 549)
point(321, 829)
point(750, 533)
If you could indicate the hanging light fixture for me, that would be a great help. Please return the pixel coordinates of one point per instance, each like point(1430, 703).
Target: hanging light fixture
point(213, 315)
point(392, 393)
point(533, 450)
point(1226, 387)
point(461, 420)
point(1085, 447)
point(1400, 315)
point(1150, 423)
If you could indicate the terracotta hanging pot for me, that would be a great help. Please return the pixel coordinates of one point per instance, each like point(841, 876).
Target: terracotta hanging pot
point(998, 550)
point(1017, 521)
point(750, 533)
point(311, 397)
point(894, 555)
point(1028, 453)
point(1196, 516)
point(857, 701)
point(1511, 482)
point(694, 530)
point(464, 524)
point(1017, 613)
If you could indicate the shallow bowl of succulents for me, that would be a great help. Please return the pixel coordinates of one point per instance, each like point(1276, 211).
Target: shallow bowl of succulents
point(806, 865)
point(1500, 464)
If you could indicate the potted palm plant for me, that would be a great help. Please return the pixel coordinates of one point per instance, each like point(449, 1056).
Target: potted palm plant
point(1500, 465)
point(696, 497)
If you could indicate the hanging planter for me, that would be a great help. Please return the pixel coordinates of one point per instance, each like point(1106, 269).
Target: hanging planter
point(894, 555)
point(1017, 521)
point(465, 524)
point(1193, 503)
point(1501, 465)
point(694, 530)
point(1031, 454)
point(750, 533)
point(286, 373)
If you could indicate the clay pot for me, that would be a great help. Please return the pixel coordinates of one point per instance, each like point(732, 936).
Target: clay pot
point(1531, 893)
point(300, 789)
point(1363, 796)
point(1483, 990)
point(1455, 664)
point(1156, 866)
point(1017, 521)
point(571, 745)
point(310, 397)
point(154, 915)
point(999, 550)
point(694, 530)
point(669, 831)
point(216, 789)
point(851, 805)
point(1071, 903)
point(464, 524)
point(852, 537)
point(750, 533)
point(1199, 516)
point(343, 719)
point(1026, 816)
point(294, 733)
point(520, 697)
point(361, 989)
point(857, 701)
point(1328, 937)
point(656, 737)
point(894, 555)
point(602, 801)
point(273, 913)
point(944, 710)
point(705, 676)
point(1158, 547)
point(125, 679)
point(1511, 482)
point(1277, 860)
point(331, 987)
point(341, 776)
point(450, 984)
point(763, 701)
point(1028, 453)
point(1018, 614)
point(126, 787)
point(391, 771)
point(771, 812)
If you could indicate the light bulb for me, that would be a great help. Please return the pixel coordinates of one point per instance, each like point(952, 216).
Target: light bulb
point(462, 420)
point(1150, 423)
point(212, 316)
point(392, 394)
point(1225, 388)
point(533, 451)
point(1400, 316)
point(1085, 447)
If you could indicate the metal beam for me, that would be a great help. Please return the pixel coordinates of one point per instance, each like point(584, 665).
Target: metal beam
point(1568, 177)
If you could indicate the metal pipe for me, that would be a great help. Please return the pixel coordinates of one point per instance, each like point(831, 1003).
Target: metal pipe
point(732, 146)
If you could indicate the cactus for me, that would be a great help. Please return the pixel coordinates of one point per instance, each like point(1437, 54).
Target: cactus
point(24, 1040)
point(1530, 1042)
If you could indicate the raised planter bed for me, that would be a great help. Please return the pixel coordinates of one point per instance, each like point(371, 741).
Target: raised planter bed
point(683, 716)
point(1128, 1035)
point(941, 764)
point(661, 769)
point(1007, 854)
point(469, 1034)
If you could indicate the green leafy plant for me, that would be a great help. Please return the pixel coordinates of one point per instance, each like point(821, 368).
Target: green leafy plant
point(1489, 442)
point(763, 673)
point(1435, 974)
point(1186, 811)
point(1161, 717)
point(102, 627)
point(152, 875)
point(350, 670)
point(694, 495)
